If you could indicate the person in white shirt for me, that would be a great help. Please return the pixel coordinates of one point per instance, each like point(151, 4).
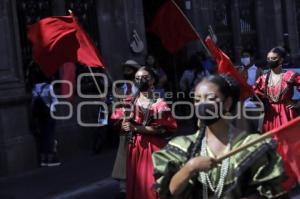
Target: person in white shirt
point(251, 73)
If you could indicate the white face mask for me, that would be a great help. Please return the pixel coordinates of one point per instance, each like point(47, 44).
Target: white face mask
point(245, 61)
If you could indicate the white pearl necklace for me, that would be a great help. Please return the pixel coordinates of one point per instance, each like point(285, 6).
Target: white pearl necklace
point(206, 182)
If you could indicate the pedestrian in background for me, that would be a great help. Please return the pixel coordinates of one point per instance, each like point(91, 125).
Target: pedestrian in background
point(43, 124)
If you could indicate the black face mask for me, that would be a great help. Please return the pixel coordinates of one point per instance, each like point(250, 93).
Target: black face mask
point(208, 113)
point(142, 84)
point(273, 64)
point(129, 76)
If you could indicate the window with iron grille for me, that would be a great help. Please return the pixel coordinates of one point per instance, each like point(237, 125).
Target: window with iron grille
point(29, 12)
point(248, 25)
point(223, 25)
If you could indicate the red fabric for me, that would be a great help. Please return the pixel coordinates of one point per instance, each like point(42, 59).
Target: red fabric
point(140, 179)
point(288, 136)
point(171, 26)
point(225, 66)
point(87, 53)
point(67, 72)
point(278, 114)
point(57, 40)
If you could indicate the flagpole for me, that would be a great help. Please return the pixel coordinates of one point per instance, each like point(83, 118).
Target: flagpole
point(193, 28)
point(108, 75)
point(95, 81)
point(243, 147)
point(266, 135)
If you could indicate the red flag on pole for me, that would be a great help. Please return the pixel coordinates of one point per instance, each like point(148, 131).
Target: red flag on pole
point(288, 137)
point(67, 72)
point(225, 66)
point(57, 40)
point(172, 27)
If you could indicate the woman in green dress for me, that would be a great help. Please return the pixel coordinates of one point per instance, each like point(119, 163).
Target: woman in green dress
point(187, 167)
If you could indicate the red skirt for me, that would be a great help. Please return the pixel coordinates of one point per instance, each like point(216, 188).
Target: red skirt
point(140, 179)
point(276, 115)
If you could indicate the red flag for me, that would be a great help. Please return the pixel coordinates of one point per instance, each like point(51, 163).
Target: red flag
point(87, 52)
point(288, 137)
point(57, 40)
point(67, 73)
point(225, 66)
point(171, 26)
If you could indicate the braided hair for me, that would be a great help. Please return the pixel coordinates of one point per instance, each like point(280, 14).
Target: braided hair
point(197, 145)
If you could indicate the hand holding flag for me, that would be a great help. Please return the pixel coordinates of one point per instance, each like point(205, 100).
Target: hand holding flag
point(288, 136)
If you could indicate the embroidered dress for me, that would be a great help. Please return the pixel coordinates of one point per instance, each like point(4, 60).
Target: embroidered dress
point(276, 98)
point(255, 170)
point(140, 179)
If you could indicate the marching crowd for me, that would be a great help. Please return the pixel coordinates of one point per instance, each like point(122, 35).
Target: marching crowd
point(153, 163)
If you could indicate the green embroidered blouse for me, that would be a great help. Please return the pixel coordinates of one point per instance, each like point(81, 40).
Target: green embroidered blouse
point(257, 169)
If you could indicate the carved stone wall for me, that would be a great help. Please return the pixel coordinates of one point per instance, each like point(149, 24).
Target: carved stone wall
point(116, 21)
point(17, 146)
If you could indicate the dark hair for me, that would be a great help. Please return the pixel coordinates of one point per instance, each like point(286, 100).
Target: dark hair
point(279, 51)
point(227, 86)
point(195, 148)
point(282, 53)
point(151, 71)
point(248, 51)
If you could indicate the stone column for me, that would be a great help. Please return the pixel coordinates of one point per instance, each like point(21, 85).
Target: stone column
point(292, 27)
point(117, 19)
point(278, 29)
point(269, 25)
point(260, 29)
point(200, 16)
point(236, 29)
point(17, 146)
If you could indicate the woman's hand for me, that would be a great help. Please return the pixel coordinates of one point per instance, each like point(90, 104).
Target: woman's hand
point(201, 163)
point(180, 180)
point(128, 126)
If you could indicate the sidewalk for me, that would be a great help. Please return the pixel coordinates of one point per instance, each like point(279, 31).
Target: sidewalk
point(71, 180)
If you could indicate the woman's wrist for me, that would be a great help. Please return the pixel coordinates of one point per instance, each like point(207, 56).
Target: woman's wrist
point(190, 168)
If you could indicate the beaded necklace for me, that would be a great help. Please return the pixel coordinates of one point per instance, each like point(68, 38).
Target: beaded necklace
point(205, 179)
point(275, 98)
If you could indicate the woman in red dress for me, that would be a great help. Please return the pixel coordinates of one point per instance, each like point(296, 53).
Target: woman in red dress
point(276, 89)
point(151, 122)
